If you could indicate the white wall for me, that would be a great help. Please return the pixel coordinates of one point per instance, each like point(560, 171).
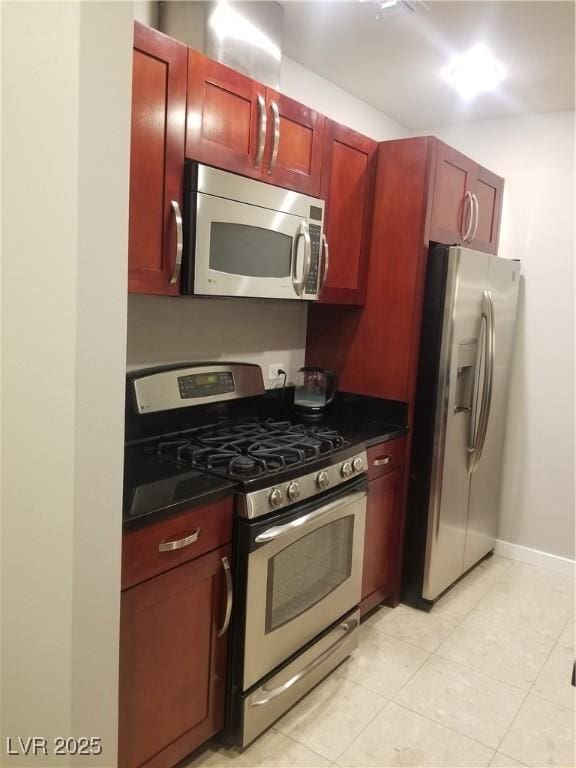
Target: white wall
point(535, 155)
point(65, 131)
point(162, 330)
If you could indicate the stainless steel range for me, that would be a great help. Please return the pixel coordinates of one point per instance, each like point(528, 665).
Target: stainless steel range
point(299, 538)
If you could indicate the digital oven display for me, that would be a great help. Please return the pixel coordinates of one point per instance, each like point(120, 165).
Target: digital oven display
point(205, 384)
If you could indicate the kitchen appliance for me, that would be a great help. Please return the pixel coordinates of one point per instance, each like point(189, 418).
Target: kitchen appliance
point(460, 413)
point(299, 533)
point(315, 389)
point(248, 238)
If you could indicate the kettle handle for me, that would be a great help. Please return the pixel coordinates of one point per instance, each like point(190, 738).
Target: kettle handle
point(331, 376)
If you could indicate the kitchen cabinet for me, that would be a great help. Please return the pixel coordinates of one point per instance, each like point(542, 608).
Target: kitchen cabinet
point(173, 636)
point(348, 172)
point(488, 189)
point(240, 125)
point(156, 162)
point(384, 524)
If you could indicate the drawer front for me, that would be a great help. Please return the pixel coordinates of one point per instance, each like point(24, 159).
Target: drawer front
point(386, 457)
point(157, 547)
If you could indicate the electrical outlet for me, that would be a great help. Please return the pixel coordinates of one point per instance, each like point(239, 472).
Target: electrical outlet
point(273, 371)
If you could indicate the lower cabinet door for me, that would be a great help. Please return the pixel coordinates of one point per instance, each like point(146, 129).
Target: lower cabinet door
point(173, 662)
point(383, 511)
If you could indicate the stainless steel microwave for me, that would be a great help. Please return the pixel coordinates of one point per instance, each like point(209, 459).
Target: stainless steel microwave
point(248, 238)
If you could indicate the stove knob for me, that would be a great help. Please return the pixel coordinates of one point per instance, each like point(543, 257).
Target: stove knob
point(322, 480)
point(276, 498)
point(346, 469)
point(294, 491)
point(358, 464)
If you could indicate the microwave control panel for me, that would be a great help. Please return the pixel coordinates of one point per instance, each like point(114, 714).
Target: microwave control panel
point(311, 286)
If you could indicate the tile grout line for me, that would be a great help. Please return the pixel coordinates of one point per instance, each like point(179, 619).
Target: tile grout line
point(295, 741)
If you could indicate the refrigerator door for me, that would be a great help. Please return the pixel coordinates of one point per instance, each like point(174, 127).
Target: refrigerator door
point(483, 513)
point(460, 358)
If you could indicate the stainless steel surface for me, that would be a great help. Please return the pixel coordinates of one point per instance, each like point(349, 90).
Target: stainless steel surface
point(382, 461)
point(160, 392)
point(480, 299)
point(469, 210)
point(265, 647)
point(261, 131)
point(170, 546)
point(179, 242)
point(229, 596)
point(275, 136)
point(476, 216)
point(338, 645)
point(484, 503)
point(277, 531)
point(325, 263)
point(232, 199)
point(448, 511)
point(299, 284)
point(257, 503)
point(480, 429)
point(266, 694)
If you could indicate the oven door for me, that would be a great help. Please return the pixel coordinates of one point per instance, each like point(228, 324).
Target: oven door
point(247, 250)
point(304, 573)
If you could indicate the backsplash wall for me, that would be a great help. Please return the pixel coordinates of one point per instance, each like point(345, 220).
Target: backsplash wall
point(167, 330)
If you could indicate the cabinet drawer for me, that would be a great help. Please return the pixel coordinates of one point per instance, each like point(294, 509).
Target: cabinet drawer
point(386, 457)
point(157, 547)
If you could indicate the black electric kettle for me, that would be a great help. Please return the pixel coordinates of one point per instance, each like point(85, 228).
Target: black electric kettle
point(315, 389)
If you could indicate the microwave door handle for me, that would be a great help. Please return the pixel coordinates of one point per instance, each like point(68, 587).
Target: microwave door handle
point(179, 242)
point(302, 232)
point(261, 131)
point(326, 263)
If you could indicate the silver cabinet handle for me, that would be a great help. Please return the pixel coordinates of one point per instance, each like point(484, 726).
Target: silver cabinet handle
point(261, 131)
point(469, 208)
point(326, 266)
point(270, 694)
point(170, 546)
point(179, 242)
point(302, 232)
point(476, 213)
point(382, 460)
point(479, 437)
point(229, 596)
point(276, 136)
point(281, 530)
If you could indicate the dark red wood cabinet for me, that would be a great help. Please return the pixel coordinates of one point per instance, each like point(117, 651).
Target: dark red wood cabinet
point(384, 513)
point(348, 172)
point(156, 161)
point(172, 645)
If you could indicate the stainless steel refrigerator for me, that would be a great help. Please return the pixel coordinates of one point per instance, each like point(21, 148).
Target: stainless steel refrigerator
point(460, 415)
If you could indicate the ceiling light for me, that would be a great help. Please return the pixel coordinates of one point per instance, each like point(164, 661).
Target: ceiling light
point(474, 72)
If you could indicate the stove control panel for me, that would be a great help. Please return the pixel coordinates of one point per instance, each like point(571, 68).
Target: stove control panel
point(283, 495)
point(205, 384)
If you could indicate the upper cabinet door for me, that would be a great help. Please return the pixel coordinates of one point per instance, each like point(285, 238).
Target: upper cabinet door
point(487, 190)
point(452, 207)
point(349, 168)
point(294, 144)
point(226, 121)
point(156, 162)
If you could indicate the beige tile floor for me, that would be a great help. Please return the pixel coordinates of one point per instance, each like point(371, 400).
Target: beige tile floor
point(483, 680)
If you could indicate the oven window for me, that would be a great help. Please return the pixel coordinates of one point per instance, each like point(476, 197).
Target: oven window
point(240, 249)
point(308, 570)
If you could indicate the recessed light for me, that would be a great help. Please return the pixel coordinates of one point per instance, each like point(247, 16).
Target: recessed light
point(475, 72)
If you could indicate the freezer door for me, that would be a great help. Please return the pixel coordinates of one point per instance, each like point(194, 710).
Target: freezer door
point(484, 506)
point(450, 479)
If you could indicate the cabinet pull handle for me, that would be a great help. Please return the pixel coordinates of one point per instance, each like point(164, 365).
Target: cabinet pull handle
point(476, 216)
point(326, 265)
point(276, 137)
point(179, 242)
point(229, 596)
point(170, 546)
point(261, 132)
point(382, 460)
point(469, 209)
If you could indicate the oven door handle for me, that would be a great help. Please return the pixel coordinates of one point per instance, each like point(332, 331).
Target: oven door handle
point(281, 530)
point(269, 695)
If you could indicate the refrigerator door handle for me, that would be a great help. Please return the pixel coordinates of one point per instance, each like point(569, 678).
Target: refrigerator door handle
point(479, 433)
